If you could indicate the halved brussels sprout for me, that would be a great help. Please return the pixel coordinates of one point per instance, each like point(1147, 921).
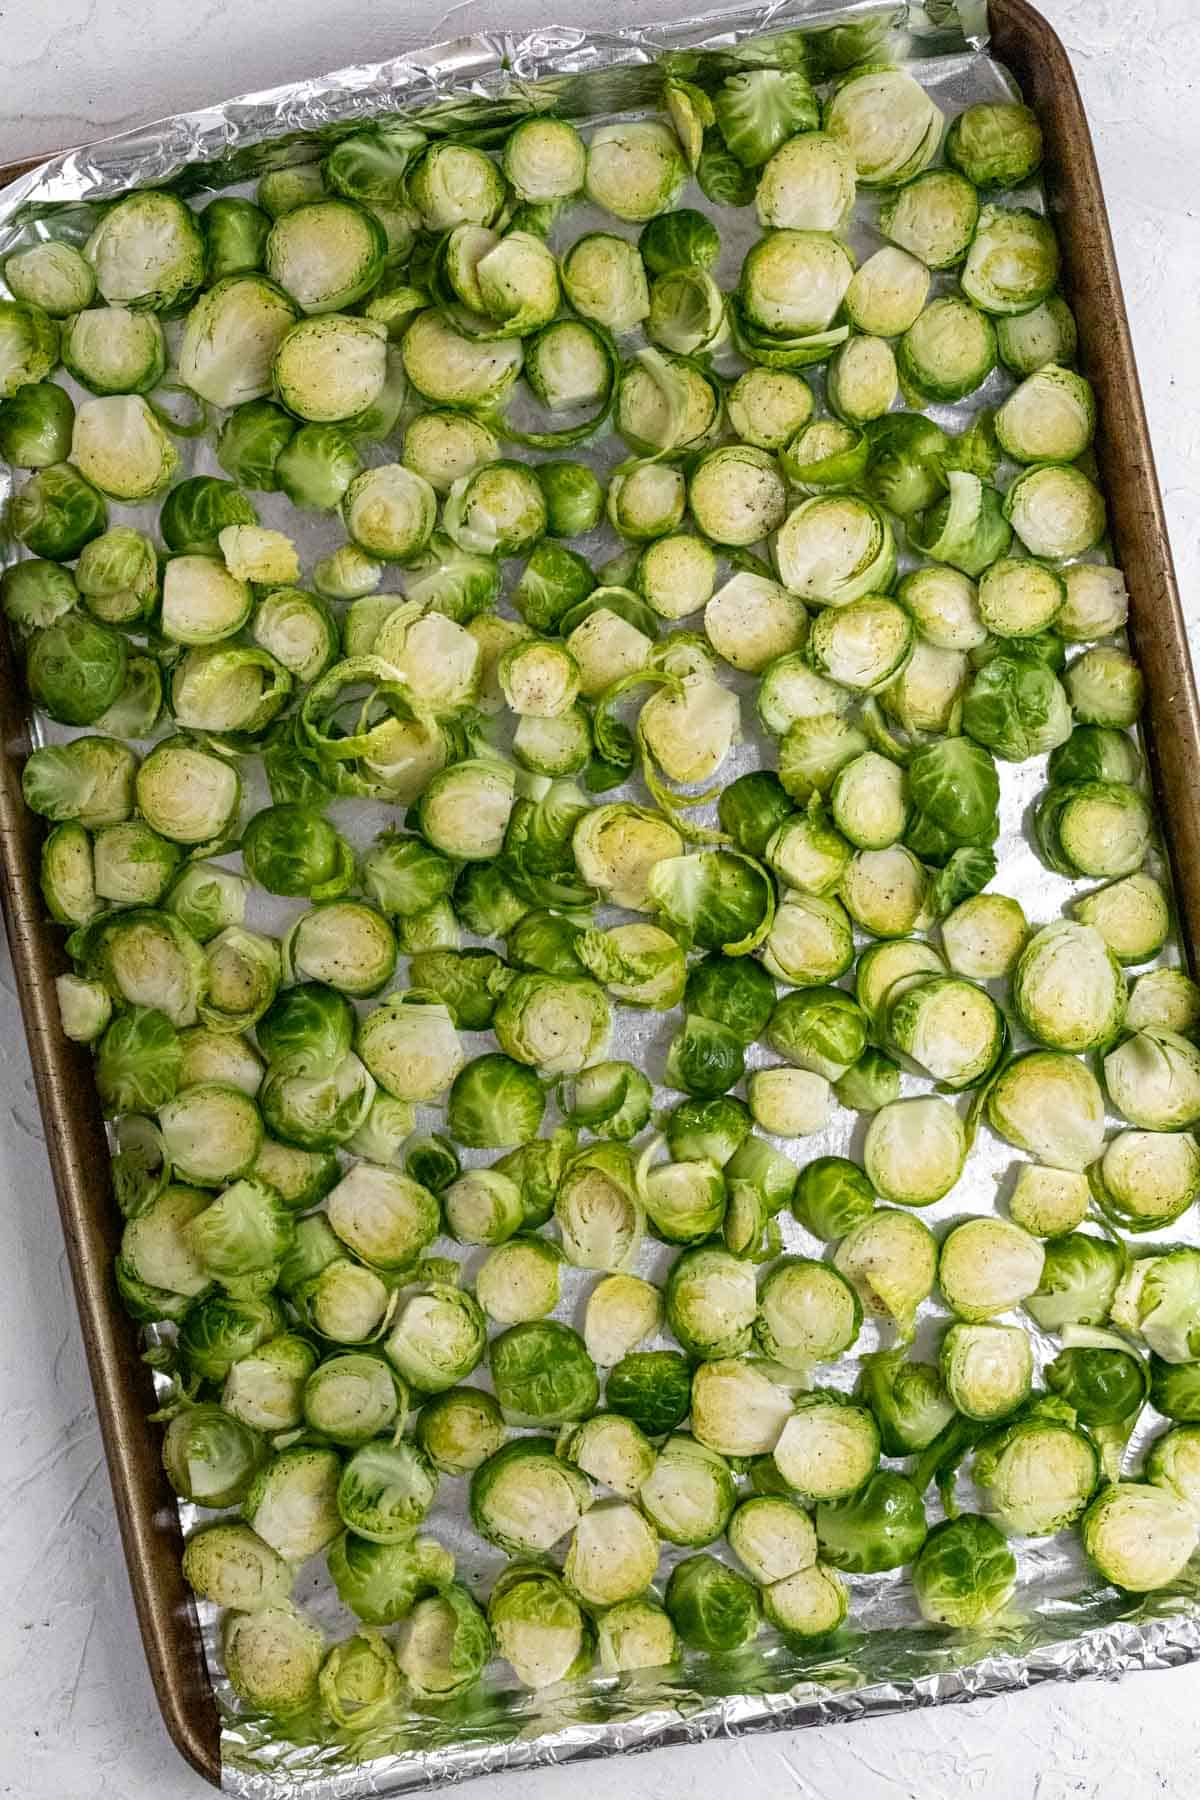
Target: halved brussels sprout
point(822, 1029)
point(950, 1028)
point(617, 848)
point(111, 350)
point(933, 217)
point(1147, 1178)
point(385, 1490)
point(1171, 1464)
point(890, 1258)
point(1097, 603)
point(84, 1008)
point(1055, 510)
point(634, 170)
point(1105, 687)
point(885, 891)
point(862, 383)
point(230, 338)
point(793, 283)
point(230, 1565)
point(1051, 417)
point(612, 1556)
point(1133, 916)
point(928, 691)
point(1049, 1104)
point(684, 1200)
point(945, 605)
point(829, 1448)
point(557, 1025)
point(55, 277)
point(861, 645)
point(483, 1206)
point(834, 549)
point(791, 692)
point(1018, 598)
point(266, 1388)
point(638, 1634)
point(984, 936)
point(132, 864)
point(148, 959)
point(518, 1280)
point(605, 280)
point(868, 801)
point(1139, 1537)
point(807, 184)
point(321, 1109)
point(345, 944)
point(538, 1628)
point(988, 1266)
point(767, 407)
point(1049, 1202)
point(887, 293)
point(1012, 264)
point(1044, 334)
point(1153, 1078)
point(987, 1369)
point(147, 252)
point(326, 254)
point(544, 159)
point(622, 1311)
point(810, 942)
point(1164, 997)
point(1068, 988)
point(790, 1102)
point(887, 122)
point(964, 1574)
point(210, 1457)
point(273, 1656)
point(121, 447)
point(915, 1150)
point(737, 1409)
point(328, 368)
point(439, 1335)
point(807, 1312)
point(948, 351)
point(382, 1216)
point(872, 1082)
point(29, 342)
point(690, 1494)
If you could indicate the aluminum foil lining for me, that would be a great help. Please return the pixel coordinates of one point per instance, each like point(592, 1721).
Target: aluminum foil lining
point(1063, 1624)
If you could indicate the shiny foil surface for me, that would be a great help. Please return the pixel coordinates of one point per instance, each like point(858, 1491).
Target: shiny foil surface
point(1063, 1624)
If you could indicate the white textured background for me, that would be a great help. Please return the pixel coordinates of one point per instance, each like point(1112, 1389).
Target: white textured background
point(77, 1716)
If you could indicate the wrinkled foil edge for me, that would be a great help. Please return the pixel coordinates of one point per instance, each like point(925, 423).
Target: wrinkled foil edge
point(275, 126)
point(1123, 1647)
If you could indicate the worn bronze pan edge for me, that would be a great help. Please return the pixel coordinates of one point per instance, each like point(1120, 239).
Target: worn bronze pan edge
point(75, 1140)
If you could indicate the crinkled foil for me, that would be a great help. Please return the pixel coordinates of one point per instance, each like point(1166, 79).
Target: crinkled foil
point(1063, 1624)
